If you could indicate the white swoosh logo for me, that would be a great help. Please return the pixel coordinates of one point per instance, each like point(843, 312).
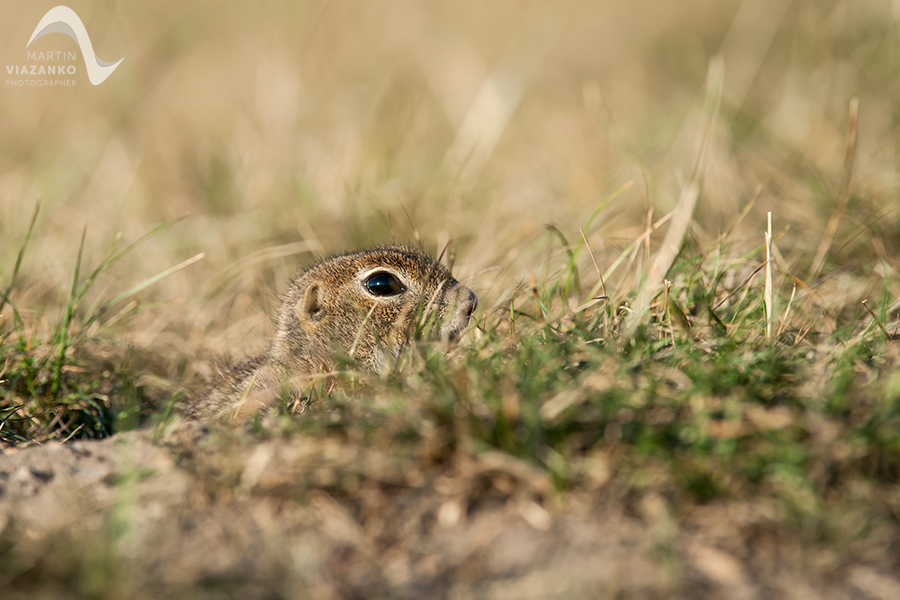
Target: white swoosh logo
point(63, 19)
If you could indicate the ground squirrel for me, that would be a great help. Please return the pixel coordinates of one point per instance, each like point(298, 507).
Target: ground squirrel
point(362, 304)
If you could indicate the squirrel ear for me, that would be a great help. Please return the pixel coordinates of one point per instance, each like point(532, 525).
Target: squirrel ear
point(313, 304)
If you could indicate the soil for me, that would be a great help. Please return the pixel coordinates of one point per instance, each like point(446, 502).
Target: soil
point(325, 518)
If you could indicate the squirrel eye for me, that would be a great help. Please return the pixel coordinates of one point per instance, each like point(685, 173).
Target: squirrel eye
point(384, 284)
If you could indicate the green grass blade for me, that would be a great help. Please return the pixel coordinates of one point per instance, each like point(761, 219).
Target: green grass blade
point(5, 298)
point(148, 282)
point(605, 202)
point(67, 321)
point(143, 238)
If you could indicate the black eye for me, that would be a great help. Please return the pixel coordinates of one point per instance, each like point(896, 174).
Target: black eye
point(384, 284)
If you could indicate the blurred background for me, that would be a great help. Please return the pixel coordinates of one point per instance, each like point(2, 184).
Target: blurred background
point(283, 131)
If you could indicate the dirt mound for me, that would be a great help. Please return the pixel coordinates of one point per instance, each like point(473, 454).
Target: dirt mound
point(318, 518)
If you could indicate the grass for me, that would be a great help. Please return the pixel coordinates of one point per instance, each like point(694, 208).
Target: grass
point(709, 406)
point(696, 395)
point(54, 388)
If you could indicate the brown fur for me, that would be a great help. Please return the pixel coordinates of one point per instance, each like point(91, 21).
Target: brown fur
point(328, 311)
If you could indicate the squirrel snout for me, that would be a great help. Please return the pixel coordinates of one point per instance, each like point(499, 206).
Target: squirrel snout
point(466, 301)
point(469, 304)
point(462, 302)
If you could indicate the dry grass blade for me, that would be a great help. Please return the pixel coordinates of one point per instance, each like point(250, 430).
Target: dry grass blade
point(744, 212)
point(241, 410)
point(715, 83)
point(250, 261)
point(787, 311)
point(632, 250)
point(362, 327)
point(850, 154)
point(667, 252)
point(740, 287)
point(847, 189)
point(594, 261)
point(865, 303)
point(684, 210)
point(503, 90)
point(747, 42)
point(769, 291)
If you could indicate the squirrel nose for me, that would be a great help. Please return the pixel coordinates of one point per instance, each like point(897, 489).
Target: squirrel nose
point(463, 303)
point(468, 301)
point(470, 304)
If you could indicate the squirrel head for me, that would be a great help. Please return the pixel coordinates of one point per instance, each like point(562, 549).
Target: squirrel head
point(366, 304)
